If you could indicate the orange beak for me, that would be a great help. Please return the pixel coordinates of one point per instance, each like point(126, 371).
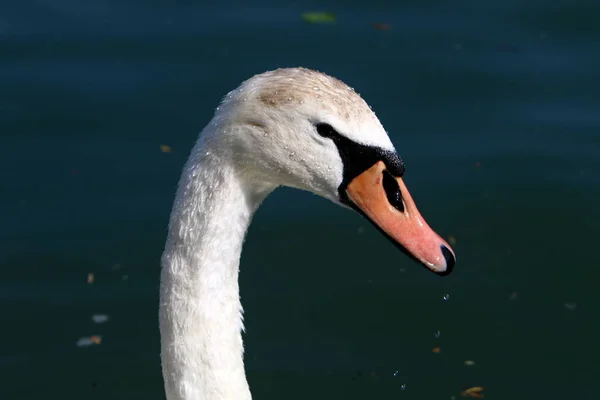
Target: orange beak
point(386, 202)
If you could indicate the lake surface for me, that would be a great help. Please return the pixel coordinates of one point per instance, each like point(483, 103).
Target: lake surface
point(494, 106)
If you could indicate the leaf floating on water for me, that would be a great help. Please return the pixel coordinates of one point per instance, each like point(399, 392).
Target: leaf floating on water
point(96, 339)
point(318, 17)
point(165, 149)
point(90, 278)
point(473, 392)
point(87, 341)
point(451, 240)
point(381, 27)
point(100, 318)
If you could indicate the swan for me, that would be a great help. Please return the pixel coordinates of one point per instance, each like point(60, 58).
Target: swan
point(290, 127)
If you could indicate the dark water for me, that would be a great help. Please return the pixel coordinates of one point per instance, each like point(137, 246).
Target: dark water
point(493, 105)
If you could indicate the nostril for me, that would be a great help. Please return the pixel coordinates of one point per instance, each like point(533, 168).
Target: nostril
point(450, 260)
point(392, 191)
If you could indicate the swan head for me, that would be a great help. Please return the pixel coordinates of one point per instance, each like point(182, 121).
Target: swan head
point(301, 128)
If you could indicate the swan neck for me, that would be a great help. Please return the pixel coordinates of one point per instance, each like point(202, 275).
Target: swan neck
point(200, 311)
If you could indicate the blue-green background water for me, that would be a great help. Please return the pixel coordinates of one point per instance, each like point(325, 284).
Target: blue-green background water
point(494, 106)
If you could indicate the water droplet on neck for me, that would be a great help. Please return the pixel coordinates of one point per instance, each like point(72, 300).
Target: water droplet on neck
point(292, 154)
point(446, 297)
point(265, 134)
point(289, 99)
point(301, 101)
point(316, 88)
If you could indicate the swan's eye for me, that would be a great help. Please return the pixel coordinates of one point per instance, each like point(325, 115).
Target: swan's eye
point(392, 190)
point(326, 130)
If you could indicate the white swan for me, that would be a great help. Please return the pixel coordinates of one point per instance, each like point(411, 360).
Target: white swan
point(293, 127)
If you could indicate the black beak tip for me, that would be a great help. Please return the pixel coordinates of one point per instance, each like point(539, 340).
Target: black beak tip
point(450, 261)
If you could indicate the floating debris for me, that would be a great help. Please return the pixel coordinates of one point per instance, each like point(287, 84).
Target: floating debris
point(90, 278)
point(469, 363)
point(436, 350)
point(381, 26)
point(473, 392)
point(165, 149)
point(318, 17)
point(100, 318)
point(446, 297)
point(87, 341)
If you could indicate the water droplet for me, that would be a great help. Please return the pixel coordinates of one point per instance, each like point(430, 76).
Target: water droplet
point(396, 373)
point(292, 154)
point(272, 101)
point(265, 134)
point(217, 109)
point(276, 92)
point(437, 334)
point(403, 387)
point(316, 88)
point(244, 98)
point(335, 99)
point(289, 99)
point(446, 296)
point(301, 101)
